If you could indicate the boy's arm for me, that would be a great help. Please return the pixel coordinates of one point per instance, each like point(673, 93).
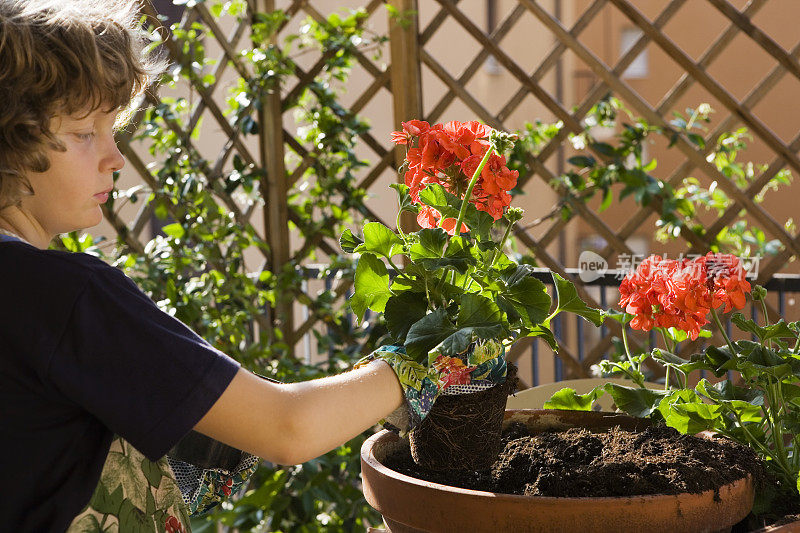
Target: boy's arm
point(294, 422)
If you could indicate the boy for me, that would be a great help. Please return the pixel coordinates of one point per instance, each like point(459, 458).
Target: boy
point(84, 354)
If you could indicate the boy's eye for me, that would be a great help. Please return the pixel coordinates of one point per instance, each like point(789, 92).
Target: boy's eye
point(85, 136)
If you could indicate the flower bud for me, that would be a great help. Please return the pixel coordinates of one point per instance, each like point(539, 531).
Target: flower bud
point(758, 293)
point(501, 141)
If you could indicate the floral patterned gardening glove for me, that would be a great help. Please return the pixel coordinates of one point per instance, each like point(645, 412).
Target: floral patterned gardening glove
point(480, 367)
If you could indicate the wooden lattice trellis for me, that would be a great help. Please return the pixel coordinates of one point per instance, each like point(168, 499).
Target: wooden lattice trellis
point(403, 78)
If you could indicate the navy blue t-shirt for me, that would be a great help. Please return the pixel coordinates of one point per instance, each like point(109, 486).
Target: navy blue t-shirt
point(85, 354)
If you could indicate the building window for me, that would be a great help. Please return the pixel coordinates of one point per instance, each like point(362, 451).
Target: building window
point(639, 68)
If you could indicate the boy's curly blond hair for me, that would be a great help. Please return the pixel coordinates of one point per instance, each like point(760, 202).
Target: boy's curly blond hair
point(62, 57)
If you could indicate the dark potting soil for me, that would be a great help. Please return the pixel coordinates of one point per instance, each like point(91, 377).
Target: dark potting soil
point(578, 463)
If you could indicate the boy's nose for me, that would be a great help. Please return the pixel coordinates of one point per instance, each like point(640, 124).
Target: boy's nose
point(115, 160)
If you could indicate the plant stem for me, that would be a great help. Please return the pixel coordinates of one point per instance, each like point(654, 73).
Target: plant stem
point(625, 341)
point(472, 182)
point(399, 272)
point(399, 229)
point(501, 244)
point(670, 349)
point(766, 451)
point(627, 373)
point(775, 408)
point(722, 330)
point(766, 318)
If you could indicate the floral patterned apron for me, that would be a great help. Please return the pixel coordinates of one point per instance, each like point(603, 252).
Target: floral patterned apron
point(134, 495)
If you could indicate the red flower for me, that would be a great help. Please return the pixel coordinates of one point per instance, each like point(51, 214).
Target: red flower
point(428, 217)
point(412, 128)
point(449, 225)
point(680, 294)
point(727, 281)
point(455, 138)
point(449, 154)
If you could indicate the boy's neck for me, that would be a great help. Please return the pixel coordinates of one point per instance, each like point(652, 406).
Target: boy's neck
point(24, 225)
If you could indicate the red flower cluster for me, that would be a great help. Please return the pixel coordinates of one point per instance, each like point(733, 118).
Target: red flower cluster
point(449, 154)
point(680, 293)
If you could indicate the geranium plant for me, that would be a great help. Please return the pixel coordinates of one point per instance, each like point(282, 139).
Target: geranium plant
point(457, 299)
point(758, 404)
point(454, 286)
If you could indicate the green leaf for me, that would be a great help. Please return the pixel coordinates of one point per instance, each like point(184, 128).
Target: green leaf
point(477, 310)
point(404, 201)
point(453, 345)
point(582, 161)
point(174, 230)
point(428, 332)
point(604, 149)
point(479, 223)
point(727, 391)
point(437, 197)
point(568, 300)
point(379, 239)
point(106, 503)
point(371, 286)
point(685, 411)
point(122, 470)
point(430, 245)
point(458, 256)
point(349, 242)
point(678, 335)
point(635, 401)
point(720, 359)
point(762, 362)
point(480, 313)
point(152, 472)
point(529, 299)
point(568, 399)
point(544, 332)
point(134, 520)
point(779, 330)
point(519, 273)
point(403, 310)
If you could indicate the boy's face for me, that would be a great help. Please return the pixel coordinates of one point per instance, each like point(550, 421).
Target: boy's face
point(68, 195)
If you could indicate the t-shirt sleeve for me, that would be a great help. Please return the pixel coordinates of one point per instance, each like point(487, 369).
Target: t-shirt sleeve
point(143, 373)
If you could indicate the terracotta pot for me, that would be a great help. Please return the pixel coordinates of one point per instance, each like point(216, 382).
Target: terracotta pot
point(791, 527)
point(412, 505)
